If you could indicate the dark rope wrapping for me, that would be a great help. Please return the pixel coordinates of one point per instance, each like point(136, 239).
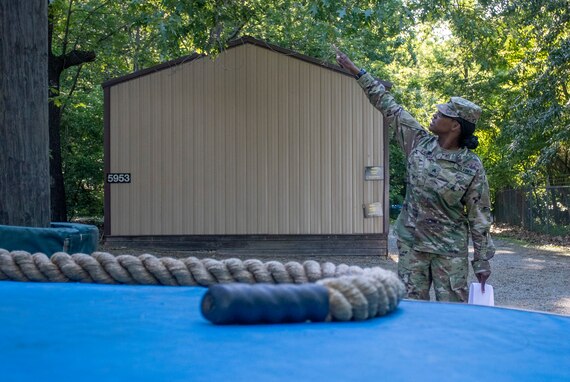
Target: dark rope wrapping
point(265, 303)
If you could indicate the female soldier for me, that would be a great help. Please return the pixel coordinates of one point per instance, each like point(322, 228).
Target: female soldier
point(447, 195)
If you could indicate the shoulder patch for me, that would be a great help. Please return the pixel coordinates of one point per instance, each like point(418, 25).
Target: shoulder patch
point(472, 161)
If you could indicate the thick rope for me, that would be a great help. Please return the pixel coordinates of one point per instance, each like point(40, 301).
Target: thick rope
point(354, 293)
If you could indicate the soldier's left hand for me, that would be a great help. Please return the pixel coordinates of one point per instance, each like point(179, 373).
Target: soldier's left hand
point(482, 277)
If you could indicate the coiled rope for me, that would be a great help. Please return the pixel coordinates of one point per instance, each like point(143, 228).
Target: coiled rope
point(354, 293)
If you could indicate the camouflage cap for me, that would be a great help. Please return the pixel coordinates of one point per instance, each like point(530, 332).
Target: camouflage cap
point(462, 108)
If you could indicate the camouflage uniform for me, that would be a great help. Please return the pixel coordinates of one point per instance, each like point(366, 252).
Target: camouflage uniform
point(447, 196)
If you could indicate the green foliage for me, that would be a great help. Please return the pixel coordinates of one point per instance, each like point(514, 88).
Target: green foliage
point(537, 128)
point(82, 137)
point(397, 174)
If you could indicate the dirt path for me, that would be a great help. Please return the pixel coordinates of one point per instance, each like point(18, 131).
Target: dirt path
point(524, 277)
point(536, 278)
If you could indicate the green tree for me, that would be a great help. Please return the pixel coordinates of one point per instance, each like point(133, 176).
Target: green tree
point(537, 130)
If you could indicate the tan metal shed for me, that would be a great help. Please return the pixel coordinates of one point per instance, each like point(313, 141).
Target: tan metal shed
point(262, 150)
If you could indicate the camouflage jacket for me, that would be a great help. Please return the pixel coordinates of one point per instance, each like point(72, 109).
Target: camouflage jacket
point(447, 194)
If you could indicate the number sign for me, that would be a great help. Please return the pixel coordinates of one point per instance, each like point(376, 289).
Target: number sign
point(119, 177)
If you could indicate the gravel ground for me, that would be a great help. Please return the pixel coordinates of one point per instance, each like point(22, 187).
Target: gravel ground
point(524, 277)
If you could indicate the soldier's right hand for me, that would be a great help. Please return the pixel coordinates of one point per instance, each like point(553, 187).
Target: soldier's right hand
point(345, 62)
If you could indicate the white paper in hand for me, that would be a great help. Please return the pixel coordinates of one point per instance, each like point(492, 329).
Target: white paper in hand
point(477, 297)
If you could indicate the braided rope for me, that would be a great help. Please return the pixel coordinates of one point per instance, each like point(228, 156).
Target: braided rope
point(355, 293)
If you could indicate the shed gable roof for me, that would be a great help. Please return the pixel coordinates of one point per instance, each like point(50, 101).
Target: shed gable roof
point(232, 44)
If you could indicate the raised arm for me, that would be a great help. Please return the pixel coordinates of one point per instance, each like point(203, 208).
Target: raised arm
point(408, 131)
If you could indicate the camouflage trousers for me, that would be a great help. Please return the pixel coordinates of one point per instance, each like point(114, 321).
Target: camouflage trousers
point(419, 269)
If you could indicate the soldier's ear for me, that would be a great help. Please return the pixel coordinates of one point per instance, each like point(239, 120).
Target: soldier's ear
point(456, 126)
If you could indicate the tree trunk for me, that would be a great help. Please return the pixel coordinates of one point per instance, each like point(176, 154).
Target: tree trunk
point(57, 192)
point(24, 155)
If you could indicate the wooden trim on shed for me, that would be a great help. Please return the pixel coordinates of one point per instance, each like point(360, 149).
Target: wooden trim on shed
point(260, 245)
point(107, 160)
point(386, 175)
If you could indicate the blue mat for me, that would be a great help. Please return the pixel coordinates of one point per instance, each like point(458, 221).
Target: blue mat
point(59, 237)
point(80, 332)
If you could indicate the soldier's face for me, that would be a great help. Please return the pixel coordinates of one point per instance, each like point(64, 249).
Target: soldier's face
point(441, 124)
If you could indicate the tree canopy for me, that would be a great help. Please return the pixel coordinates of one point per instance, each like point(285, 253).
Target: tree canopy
point(512, 57)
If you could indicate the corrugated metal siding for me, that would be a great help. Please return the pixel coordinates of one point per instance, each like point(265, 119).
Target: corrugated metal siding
point(255, 142)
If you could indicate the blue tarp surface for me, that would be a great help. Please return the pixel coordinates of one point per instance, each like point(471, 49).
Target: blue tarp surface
point(86, 332)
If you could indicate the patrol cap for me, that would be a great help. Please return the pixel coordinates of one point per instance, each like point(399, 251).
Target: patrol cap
point(462, 108)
